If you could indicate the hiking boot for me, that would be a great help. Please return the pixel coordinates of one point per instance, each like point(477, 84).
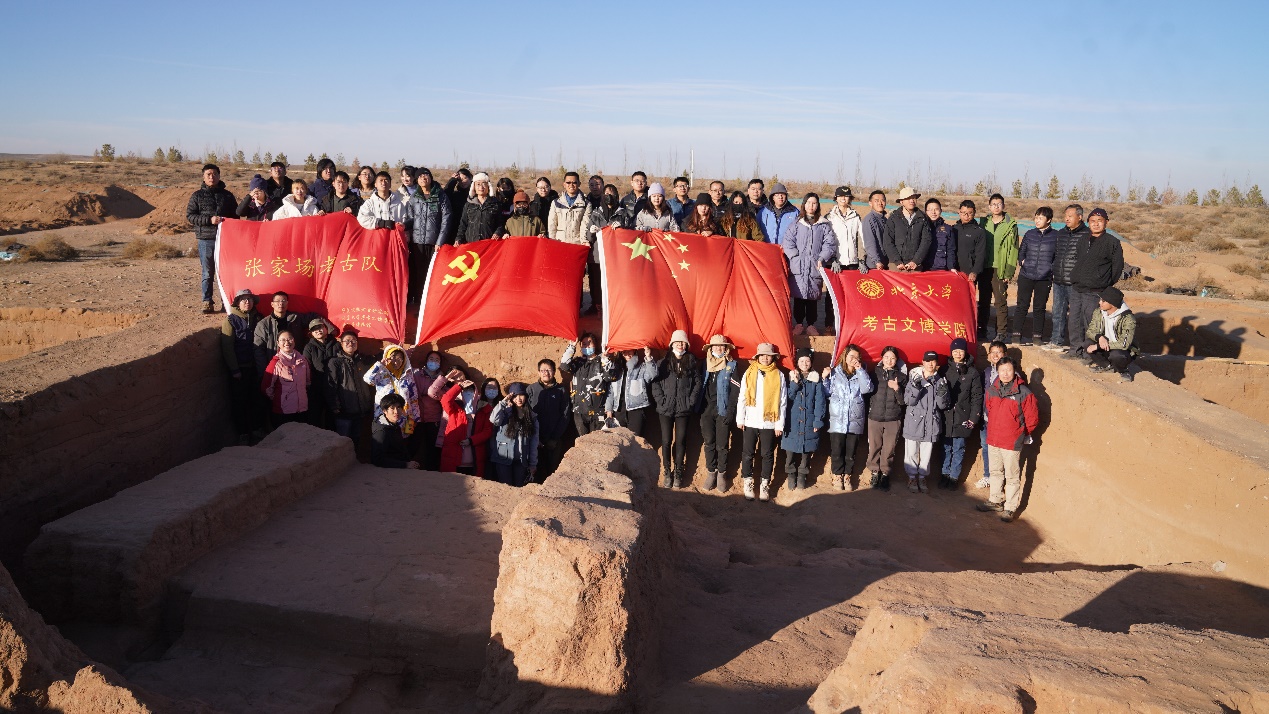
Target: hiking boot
point(874, 479)
point(989, 507)
point(748, 485)
point(1006, 516)
point(1071, 354)
point(208, 308)
point(1125, 376)
point(1099, 368)
point(921, 485)
point(667, 478)
point(802, 477)
point(724, 483)
point(764, 490)
point(912, 484)
point(885, 482)
point(711, 477)
point(1052, 347)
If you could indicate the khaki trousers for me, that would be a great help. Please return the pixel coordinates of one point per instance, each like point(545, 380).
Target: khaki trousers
point(1006, 477)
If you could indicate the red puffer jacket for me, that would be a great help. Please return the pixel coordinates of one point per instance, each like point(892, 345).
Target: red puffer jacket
point(1011, 414)
point(456, 431)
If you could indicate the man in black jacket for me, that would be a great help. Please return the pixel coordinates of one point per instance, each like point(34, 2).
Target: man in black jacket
point(550, 401)
point(387, 444)
point(1068, 240)
point(278, 186)
point(908, 235)
point(974, 256)
point(1099, 261)
point(207, 207)
point(347, 393)
point(340, 199)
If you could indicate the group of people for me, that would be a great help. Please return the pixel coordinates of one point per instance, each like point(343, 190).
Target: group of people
point(1074, 263)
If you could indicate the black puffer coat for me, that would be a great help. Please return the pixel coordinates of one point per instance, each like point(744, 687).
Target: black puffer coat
point(347, 393)
point(907, 243)
point(480, 221)
point(206, 202)
point(966, 398)
point(677, 385)
point(1064, 253)
point(886, 404)
point(1099, 263)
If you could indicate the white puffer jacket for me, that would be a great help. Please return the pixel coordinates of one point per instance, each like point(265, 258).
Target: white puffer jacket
point(374, 209)
point(291, 209)
point(849, 230)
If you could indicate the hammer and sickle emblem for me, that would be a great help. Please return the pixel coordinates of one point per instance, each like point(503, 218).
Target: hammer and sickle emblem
point(465, 273)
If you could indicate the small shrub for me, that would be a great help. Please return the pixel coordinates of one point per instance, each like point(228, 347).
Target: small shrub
point(50, 249)
point(145, 248)
point(1249, 228)
point(1258, 294)
point(1216, 244)
point(1145, 247)
point(1250, 269)
point(1179, 260)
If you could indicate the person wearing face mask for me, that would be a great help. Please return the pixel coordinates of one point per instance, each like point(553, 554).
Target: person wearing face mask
point(592, 376)
point(846, 385)
point(738, 221)
point(522, 222)
point(720, 389)
point(514, 448)
point(285, 382)
point(926, 397)
point(606, 213)
point(467, 427)
point(550, 402)
point(760, 405)
point(885, 417)
point(431, 414)
point(394, 375)
point(504, 193)
point(804, 420)
point(629, 397)
point(675, 391)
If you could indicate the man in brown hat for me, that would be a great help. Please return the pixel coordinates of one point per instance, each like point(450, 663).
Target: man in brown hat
point(908, 234)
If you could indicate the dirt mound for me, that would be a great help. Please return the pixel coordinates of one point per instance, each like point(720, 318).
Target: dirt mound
point(911, 658)
point(32, 208)
point(168, 216)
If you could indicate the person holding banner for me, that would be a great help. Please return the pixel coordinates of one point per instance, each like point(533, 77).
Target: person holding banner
point(717, 405)
point(285, 382)
point(383, 208)
point(428, 213)
point(808, 243)
point(885, 414)
point(760, 414)
point(514, 449)
point(675, 390)
point(875, 231)
point(298, 203)
point(806, 408)
point(656, 214)
point(522, 222)
point(467, 426)
point(737, 220)
point(926, 396)
point(846, 386)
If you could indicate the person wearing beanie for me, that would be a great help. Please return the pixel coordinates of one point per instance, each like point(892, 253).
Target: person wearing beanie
point(680, 205)
point(964, 410)
point(926, 398)
point(656, 215)
point(777, 215)
point(522, 222)
point(256, 205)
point(1112, 333)
point(482, 213)
point(514, 447)
point(675, 391)
point(1099, 263)
point(804, 419)
point(701, 219)
point(846, 386)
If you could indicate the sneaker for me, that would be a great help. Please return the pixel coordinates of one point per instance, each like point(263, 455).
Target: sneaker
point(921, 485)
point(983, 482)
point(874, 479)
point(1071, 354)
point(885, 482)
point(764, 490)
point(1125, 376)
point(1052, 347)
point(812, 331)
point(989, 507)
point(799, 329)
point(1006, 516)
point(912, 485)
point(1006, 339)
point(748, 483)
point(1099, 368)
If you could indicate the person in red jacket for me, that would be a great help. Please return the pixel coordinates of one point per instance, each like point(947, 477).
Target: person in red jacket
point(1011, 417)
point(467, 428)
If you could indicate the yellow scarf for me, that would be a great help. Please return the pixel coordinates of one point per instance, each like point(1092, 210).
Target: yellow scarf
point(712, 363)
point(770, 389)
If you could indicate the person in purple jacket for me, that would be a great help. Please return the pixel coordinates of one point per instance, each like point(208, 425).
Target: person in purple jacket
point(942, 255)
point(1035, 275)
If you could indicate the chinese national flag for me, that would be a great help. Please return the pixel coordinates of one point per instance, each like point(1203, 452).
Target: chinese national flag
point(914, 312)
point(531, 284)
point(327, 265)
point(657, 282)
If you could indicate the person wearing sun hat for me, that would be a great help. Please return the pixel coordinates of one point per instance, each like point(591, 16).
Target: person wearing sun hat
point(717, 406)
point(675, 391)
point(760, 413)
point(908, 235)
point(1113, 335)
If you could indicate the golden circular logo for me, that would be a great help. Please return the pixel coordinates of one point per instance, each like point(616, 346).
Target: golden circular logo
point(870, 288)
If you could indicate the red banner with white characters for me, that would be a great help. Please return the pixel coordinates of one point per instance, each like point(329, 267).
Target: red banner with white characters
point(327, 265)
point(657, 282)
point(914, 312)
point(531, 284)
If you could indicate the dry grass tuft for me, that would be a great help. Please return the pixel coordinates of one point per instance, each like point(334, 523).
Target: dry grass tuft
point(1251, 269)
point(145, 248)
point(1216, 244)
point(49, 249)
point(1258, 294)
point(1178, 260)
point(1250, 228)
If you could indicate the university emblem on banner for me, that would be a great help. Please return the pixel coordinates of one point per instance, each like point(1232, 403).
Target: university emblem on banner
point(870, 288)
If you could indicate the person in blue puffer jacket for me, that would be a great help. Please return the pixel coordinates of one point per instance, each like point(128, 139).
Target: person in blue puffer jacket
point(808, 243)
point(846, 385)
point(775, 216)
point(1035, 275)
point(514, 448)
point(804, 420)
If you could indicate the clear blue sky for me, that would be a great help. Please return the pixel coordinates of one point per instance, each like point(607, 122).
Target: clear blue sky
point(803, 89)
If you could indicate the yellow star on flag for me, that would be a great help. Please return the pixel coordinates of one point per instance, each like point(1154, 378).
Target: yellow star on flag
point(639, 248)
point(683, 265)
point(682, 247)
point(669, 236)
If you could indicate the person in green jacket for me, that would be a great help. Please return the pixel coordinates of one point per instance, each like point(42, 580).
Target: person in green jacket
point(1113, 332)
point(1003, 230)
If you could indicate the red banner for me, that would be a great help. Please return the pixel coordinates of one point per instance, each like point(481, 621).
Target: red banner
point(532, 284)
point(656, 283)
point(914, 312)
point(328, 265)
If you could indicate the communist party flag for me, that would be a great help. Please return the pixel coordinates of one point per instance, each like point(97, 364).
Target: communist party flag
point(532, 284)
point(914, 312)
point(658, 282)
point(327, 265)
